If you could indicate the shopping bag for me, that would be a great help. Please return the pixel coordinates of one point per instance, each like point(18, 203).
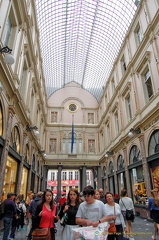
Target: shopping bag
point(92, 233)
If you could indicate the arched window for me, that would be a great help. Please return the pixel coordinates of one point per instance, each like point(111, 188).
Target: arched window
point(120, 162)
point(33, 162)
point(111, 168)
point(1, 120)
point(26, 153)
point(135, 154)
point(153, 146)
point(15, 139)
point(104, 172)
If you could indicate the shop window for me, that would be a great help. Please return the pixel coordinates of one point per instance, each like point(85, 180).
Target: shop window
point(111, 178)
point(137, 177)
point(138, 186)
point(23, 187)
point(1, 121)
point(120, 175)
point(53, 176)
point(104, 172)
point(15, 139)
point(10, 176)
point(153, 150)
point(70, 175)
point(76, 175)
point(64, 175)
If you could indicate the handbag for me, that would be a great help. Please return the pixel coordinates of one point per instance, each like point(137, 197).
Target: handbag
point(63, 220)
point(41, 234)
point(129, 213)
point(112, 227)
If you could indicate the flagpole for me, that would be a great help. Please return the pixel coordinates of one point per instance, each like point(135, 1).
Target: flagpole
point(72, 138)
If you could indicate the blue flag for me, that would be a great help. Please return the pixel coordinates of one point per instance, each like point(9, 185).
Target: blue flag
point(72, 139)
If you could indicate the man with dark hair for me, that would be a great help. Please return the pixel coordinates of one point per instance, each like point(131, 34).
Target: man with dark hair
point(9, 213)
point(102, 197)
point(91, 212)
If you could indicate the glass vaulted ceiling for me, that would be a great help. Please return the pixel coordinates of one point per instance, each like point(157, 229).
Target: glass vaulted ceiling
point(80, 40)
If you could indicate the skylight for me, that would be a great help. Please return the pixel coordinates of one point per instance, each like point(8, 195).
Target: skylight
point(80, 40)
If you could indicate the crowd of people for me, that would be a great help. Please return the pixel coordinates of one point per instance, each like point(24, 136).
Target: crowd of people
point(90, 208)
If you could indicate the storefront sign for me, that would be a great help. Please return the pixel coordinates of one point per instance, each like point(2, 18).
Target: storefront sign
point(64, 182)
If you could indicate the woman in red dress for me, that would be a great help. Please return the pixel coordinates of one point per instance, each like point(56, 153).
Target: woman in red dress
point(46, 212)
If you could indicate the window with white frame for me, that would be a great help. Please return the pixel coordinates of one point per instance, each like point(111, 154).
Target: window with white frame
point(123, 64)
point(147, 84)
point(53, 176)
point(138, 34)
point(77, 145)
point(106, 99)
point(64, 175)
point(128, 107)
point(76, 175)
point(10, 30)
point(116, 121)
point(87, 176)
point(113, 85)
point(108, 133)
point(71, 175)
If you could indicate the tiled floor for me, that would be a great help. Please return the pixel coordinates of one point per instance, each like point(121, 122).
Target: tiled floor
point(142, 230)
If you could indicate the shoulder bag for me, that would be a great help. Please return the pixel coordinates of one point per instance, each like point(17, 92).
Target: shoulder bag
point(129, 213)
point(112, 227)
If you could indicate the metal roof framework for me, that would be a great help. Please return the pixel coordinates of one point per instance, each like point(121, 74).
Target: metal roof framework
point(80, 40)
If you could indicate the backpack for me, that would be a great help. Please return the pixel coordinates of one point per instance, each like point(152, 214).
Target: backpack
point(1, 210)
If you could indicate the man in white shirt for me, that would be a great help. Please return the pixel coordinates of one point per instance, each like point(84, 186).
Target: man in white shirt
point(91, 212)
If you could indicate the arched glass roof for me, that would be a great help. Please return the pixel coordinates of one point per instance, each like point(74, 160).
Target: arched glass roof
point(80, 40)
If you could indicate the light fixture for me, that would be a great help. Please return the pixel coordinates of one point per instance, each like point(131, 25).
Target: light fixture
point(8, 59)
point(109, 153)
point(42, 152)
point(29, 128)
point(133, 130)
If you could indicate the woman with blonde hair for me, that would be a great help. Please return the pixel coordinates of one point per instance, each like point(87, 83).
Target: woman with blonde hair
point(70, 208)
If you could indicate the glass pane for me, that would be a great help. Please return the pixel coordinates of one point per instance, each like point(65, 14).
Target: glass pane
point(80, 40)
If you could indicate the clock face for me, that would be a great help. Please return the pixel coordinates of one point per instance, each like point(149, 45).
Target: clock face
point(72, 107)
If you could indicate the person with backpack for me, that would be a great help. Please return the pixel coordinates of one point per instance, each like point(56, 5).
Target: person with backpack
point(32, 210)
point(9, 213)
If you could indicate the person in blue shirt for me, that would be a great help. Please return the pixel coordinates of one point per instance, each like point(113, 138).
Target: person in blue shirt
point(153, 205)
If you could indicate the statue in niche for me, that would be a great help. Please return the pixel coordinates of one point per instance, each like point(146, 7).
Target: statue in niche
point(90, 118)
point(91, 146)
point(52, 145)
point(54, 117)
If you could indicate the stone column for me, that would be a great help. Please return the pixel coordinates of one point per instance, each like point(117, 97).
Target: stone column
point(126, 162)
point(84, 183)
point(99, 177)
point(59, 182)
point(6, 149)
point(45, 172)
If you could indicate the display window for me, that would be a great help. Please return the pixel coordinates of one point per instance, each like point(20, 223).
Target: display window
point(120, 173)
point(121, 184)
point(23, 187)
point(137, 177)
point(111, 178)
point(138, 186)
point(10, 176)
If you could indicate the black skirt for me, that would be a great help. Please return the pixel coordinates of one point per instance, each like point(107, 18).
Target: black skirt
point(155, 215)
